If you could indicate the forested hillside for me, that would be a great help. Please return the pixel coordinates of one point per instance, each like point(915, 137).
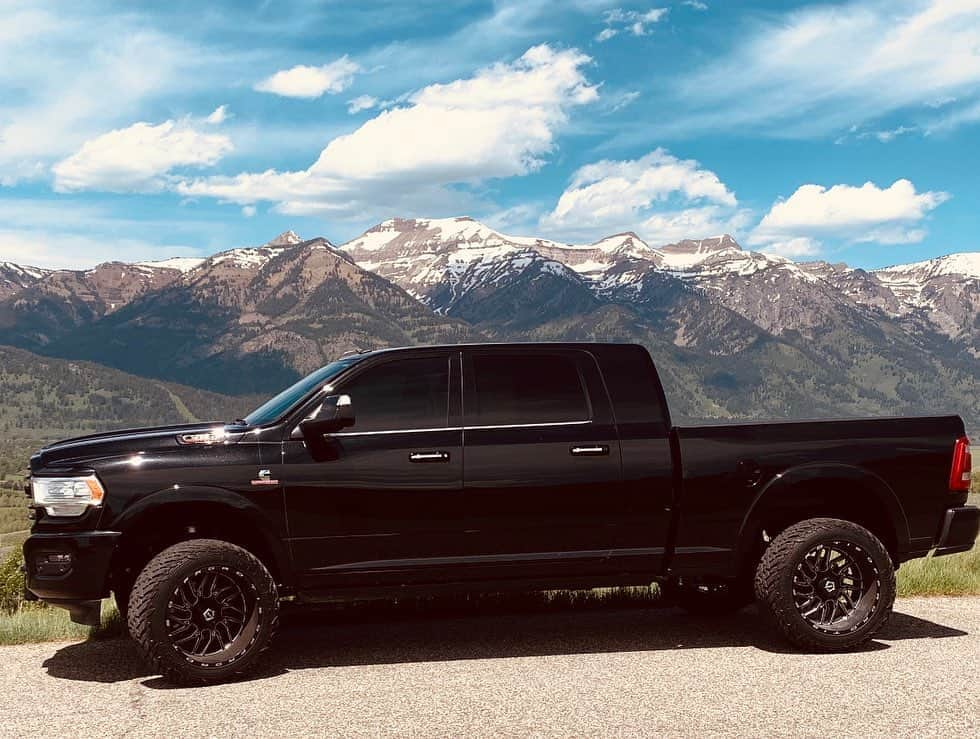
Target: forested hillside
point(45, 399)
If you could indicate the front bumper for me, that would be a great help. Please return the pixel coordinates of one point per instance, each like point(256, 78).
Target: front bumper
point(960, 529)
point(70, 570)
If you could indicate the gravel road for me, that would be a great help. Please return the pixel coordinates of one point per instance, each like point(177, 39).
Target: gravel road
point(599, 673)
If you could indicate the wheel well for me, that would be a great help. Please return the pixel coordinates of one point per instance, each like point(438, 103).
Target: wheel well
point(847, 500)
point(180, 522)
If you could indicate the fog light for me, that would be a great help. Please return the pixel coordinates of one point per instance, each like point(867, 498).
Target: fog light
point(52, 564)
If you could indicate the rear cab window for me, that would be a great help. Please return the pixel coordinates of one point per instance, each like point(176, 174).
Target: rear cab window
point(527, 388)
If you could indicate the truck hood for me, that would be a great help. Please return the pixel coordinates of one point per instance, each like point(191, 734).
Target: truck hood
point(82, 449)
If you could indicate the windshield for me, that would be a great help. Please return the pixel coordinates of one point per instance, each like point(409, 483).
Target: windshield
point(274, 408)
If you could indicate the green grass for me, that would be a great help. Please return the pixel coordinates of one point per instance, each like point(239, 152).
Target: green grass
point(22, 623)
point(36, 622)
point(12, 540)
point(14, 518)
point(954, 574)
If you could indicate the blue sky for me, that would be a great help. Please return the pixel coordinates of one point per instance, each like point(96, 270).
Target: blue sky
point(841, 131)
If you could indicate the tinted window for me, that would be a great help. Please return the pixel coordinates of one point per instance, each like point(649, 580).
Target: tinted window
point(401, 394)
point(276, 407)
point(632, 384)
point(530, 388)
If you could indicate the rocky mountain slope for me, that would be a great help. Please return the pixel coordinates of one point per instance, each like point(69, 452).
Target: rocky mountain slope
point(54, 303)
point(867, 346)
point(734, 332)
point(14, 277)
point(255, 319)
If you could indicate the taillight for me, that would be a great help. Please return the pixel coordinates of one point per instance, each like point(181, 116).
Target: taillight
point(959, 476)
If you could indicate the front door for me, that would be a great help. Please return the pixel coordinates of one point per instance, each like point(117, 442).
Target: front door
point(543, 483)
point(386, 505)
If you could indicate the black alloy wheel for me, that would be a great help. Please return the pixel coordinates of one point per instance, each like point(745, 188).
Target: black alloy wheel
point(827, 584)
point(203, 611)
point(212, 615)
point(836, 587)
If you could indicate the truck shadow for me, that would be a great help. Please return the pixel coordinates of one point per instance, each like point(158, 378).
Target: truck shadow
point(305, 643)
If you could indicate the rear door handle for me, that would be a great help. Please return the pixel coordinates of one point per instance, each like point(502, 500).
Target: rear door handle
point(594, 450)
point(428, 456)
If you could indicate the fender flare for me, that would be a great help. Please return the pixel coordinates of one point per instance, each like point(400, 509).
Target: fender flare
point(828, 473)
point(240, 508)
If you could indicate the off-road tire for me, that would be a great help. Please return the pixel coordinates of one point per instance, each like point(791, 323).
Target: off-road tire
point(774, 583)
point(155, 587)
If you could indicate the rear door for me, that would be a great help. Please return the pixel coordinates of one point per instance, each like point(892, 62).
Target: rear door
point(543, 487)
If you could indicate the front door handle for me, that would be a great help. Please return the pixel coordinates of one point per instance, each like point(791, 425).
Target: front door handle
point(593, 450)
point(428, 456)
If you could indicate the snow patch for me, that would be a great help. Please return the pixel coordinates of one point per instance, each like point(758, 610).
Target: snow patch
point(182, 264)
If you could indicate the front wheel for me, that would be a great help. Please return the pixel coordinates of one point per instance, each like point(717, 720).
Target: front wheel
point(828, 585)
point(203, 611)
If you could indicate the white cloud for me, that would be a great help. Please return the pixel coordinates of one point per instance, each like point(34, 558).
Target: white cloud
point(891, 134)
point(633, 21)
point(501, 122)
point(90, 75)
point(361, 102)
point(696, 4)
point(59, 250)
point(822, 68)
point(622, 100)
point(800, 246)
point(136, 159)
point(868, 213)
point(521, 218)
point(698, 222)
point(59, 232)
point(248, 211)
point(616, 195)
point(302, 81)
point(960, 116)
point(220, 115)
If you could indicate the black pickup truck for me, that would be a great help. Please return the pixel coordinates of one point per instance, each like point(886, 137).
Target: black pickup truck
point(485, 467)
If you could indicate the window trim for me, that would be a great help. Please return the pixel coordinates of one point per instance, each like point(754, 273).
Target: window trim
point(465, 428)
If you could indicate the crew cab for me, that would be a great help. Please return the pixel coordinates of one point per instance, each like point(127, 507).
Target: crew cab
point(485, 467)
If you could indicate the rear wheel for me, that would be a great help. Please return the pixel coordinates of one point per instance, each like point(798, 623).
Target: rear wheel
point(203, 611)
point(826, 584)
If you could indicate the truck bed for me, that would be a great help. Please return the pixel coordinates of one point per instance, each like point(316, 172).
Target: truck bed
point(729, 471)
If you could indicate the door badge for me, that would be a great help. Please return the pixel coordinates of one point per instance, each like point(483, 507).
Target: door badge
point(265, 478)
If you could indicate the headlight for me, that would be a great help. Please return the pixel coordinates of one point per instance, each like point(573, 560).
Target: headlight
point(67, 496)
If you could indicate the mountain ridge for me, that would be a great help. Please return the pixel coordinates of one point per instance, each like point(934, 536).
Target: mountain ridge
point(735, 331)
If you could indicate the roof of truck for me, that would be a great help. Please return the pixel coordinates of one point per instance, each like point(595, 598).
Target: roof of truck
point(498, 344)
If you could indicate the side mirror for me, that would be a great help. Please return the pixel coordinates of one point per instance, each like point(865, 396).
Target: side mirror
point(336, 413)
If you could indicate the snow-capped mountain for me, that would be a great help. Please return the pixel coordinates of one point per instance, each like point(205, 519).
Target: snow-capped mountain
point(734, 331)
point(15, 277)
point(940, 295)
point(250, 257)
point(945, 291)
point(441, 260)
point(425, 256)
